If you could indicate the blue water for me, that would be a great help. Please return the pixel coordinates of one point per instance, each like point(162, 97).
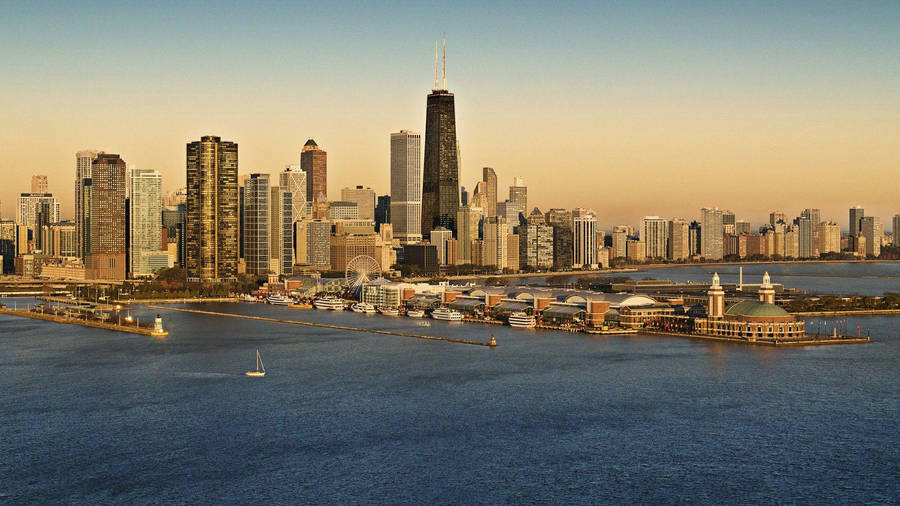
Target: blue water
point(91, 416)
point(832, 278)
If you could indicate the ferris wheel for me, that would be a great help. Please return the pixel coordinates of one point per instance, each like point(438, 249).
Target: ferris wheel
point(360, 270)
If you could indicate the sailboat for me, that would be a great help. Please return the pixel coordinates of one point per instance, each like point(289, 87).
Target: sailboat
point(260, 367)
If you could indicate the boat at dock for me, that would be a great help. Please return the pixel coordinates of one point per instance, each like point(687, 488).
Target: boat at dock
point(415, 313)
point(363, 307)
point(389, 311)
point(446, 314)
point(278, 300)
point(329, 303)
point(260, 368)
point(246, 297)
point(522, 320)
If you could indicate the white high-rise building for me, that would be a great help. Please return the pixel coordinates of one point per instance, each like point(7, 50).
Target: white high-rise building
point(145, 217)
point(585, 241)
point(496, 233)
point(655, 235)
point(711, 234)
point(294, 180)
point(29, 206)
point(870, 227)
point(83, 160)
point(406, 186)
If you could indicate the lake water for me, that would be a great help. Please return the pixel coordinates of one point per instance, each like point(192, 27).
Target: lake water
point(844, 278)
point(91, 416)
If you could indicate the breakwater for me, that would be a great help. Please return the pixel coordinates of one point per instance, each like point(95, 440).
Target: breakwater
point(125, 327)
point(324, 325)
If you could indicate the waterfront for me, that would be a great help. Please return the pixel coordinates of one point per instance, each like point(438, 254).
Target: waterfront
point(94, 416)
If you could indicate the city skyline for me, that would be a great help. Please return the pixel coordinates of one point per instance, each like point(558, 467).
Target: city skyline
point(787, 113)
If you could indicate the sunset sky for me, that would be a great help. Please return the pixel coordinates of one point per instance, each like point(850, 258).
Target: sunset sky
point(629, 108)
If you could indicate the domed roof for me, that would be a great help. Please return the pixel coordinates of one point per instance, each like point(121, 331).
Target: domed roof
point(755, 308)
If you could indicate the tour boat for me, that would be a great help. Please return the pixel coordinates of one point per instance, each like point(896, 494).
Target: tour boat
point(443, 313)
point(363, 307)
point(260, 368)
point(246, 297)
point(278, 300)
point(415, 313)
point(522, 320)
point(329, 303)
point(389, 311)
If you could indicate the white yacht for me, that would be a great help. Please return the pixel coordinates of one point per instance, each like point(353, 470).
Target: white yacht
point(415, 313)
point(278, 299)
point(363, 307)
point(246, 297)
point(522, 320)
point(443, 313)
point(330, 303)
point(389, 311)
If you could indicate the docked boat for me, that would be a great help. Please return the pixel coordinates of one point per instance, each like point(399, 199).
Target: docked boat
point(246, 297)
point(278, 300)
point(443, 313)
point(329, 303)
point(415, 313)
point(522, 320)
point(363, 307)
point(260, 368)
point(389, 311)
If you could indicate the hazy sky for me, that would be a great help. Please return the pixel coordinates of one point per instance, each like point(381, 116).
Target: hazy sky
point(630, 108)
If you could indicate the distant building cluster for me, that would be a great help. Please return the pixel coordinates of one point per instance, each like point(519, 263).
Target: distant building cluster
point(222, 224)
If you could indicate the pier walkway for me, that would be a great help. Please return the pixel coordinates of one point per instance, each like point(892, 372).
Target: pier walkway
point(132, 328)
point(323, 325)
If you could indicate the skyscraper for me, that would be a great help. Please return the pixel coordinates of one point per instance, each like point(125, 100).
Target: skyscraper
point(83, 160)
point(464, 196)
point(896, 230)
point(406, 186)
point(145, 216)
point(490, 191)
point(256, 223)
point(364, 198)
point(856, 214)
point(806, 246)
point(679, 242)
point(563, 248)
point(585, 241)
point(440, 179)
point(38, 184)
point(655, 234)
point(711, 234)
point(518, 194)
point(293, 179)
point(776, 217)
point(314, 162)
point(495, 242)
point(107, 238)
point(281, 248)
point(468, 220)
point(383, 213)
point(29, 205)
point(212, 210)
point(870, 227)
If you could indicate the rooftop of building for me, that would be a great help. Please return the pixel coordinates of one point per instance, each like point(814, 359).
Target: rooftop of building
point(755, 308)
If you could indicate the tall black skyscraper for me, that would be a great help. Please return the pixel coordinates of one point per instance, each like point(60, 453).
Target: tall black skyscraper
point(440, 178)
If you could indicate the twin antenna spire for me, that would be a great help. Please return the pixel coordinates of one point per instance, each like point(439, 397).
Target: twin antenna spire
point(444, 66)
